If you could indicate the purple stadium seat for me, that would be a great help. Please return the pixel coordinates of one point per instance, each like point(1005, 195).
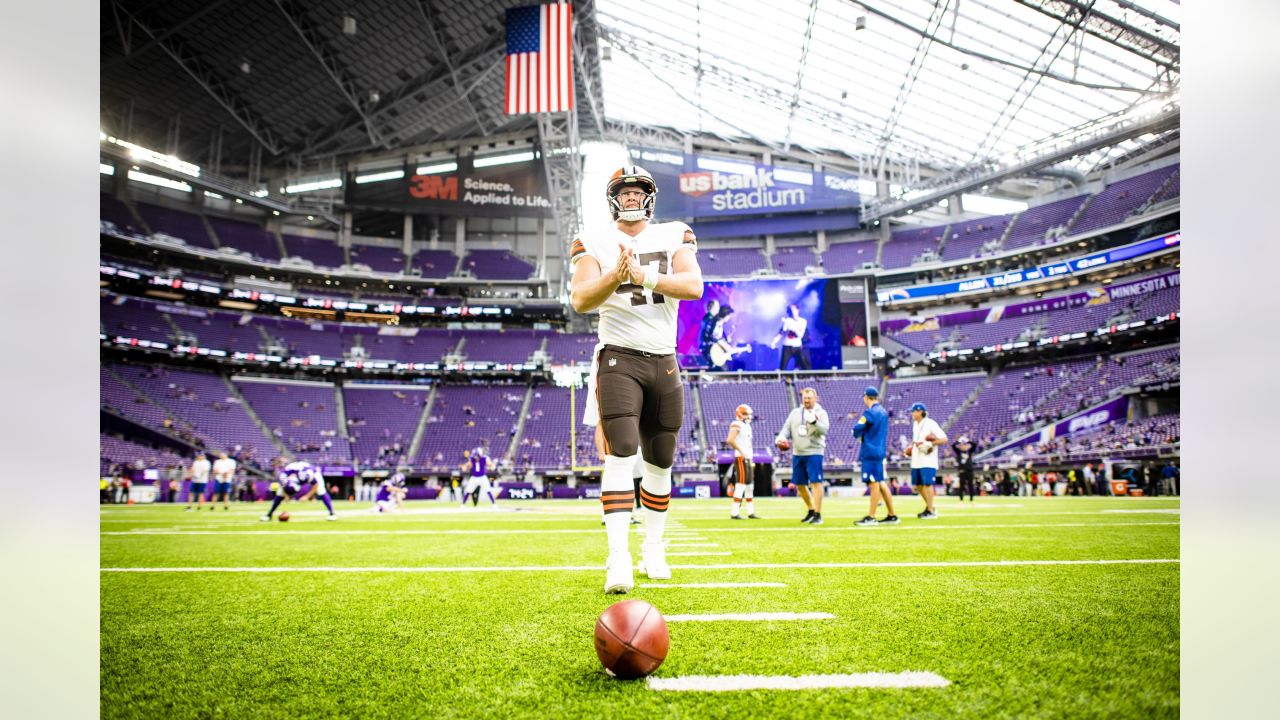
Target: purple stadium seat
point(379, 259)
point(322, 252)
point(184, 225)
point(497, 265)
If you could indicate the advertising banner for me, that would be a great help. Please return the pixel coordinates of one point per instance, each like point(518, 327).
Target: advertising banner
point(509, 190)
point(1093, 296)
point(701, 186)
point(1104, 413)
point(1042, 272)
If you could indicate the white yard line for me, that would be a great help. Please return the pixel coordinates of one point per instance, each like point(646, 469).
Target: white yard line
point(697, 554)
point(710, 544)
point(597, 568)
point(593, 531)
point(715, 585)
point(728, 683)
point(750, 617)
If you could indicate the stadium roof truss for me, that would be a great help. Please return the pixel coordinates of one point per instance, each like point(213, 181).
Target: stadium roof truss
point(947, 85)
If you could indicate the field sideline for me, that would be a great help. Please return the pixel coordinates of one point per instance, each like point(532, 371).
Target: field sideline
point(1018, 607)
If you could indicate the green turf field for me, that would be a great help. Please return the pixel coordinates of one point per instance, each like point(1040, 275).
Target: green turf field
point(482, 613)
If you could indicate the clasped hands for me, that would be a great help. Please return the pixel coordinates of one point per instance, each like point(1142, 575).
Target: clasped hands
point(628, 270)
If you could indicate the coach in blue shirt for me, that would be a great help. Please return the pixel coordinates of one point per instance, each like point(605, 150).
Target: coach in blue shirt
point(873, 430)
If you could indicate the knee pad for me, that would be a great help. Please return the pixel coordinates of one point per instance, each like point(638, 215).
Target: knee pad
point(662, 450)
point(621, 436)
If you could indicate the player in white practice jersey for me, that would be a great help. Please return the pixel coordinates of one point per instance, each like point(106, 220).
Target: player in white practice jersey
point(635, 272)
point(744, 475)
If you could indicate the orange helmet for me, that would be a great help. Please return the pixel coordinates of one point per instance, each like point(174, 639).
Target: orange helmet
point(744, 412)
point(632, 175)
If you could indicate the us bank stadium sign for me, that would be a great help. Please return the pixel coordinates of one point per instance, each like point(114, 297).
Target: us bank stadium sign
point(699, 186)
point(509, 190)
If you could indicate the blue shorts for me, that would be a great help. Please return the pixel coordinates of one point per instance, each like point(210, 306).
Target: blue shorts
point(222, 488)
point(197, 489)
point(872, 471)
point(806, 469)
point(923, 476)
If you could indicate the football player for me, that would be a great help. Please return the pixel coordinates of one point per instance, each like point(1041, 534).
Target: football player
point(635, 272)
point(743, 485)
point(390, 494)
point(290, 481)
point(477, 463)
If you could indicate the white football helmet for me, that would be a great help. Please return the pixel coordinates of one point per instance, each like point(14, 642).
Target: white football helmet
point(632, 175)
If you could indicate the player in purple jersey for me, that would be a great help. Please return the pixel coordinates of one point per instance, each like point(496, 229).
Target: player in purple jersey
point(477, 464)
point(290, 482)
point(390, 494)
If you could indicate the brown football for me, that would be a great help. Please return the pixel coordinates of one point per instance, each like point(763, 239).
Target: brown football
point(909, 450)
point(631, 639)
point(784, 444)
point(284, 516)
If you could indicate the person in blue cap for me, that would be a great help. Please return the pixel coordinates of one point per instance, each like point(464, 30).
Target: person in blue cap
point(926, 437)
point(872, 429)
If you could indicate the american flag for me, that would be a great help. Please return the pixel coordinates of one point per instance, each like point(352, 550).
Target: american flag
point(540, 59)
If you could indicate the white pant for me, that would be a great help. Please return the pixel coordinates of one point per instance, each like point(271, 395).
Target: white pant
point(478, 482)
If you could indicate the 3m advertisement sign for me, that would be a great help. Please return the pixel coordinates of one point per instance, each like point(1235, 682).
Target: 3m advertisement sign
point(509, 190)
point(698, 186)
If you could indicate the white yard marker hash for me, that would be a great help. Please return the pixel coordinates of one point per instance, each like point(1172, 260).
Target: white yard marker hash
point(728, 683)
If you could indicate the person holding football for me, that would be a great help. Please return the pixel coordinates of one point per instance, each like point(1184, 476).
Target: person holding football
point(805, 434)
point(926, 436)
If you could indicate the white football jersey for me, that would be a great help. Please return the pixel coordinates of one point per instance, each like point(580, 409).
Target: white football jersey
point(744, 436)
point(634, 317)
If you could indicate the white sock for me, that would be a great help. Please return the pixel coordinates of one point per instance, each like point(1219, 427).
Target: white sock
point(657, 482)
point(617, 487)
point(751, 506)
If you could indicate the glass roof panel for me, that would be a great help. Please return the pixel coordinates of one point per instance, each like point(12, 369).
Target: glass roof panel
point(948, 83)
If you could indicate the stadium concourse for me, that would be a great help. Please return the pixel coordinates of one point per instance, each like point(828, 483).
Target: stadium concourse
point(349, 239)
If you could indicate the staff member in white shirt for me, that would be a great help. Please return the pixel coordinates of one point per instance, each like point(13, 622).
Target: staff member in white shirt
point(926, 436)
point(224, 474)
point(199, 480)
point(792, 336)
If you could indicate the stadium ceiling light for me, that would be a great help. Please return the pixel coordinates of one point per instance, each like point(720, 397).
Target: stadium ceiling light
point(438, 168)
point(157, 180)
point(138, 152)
point(106, 169)
point(213, 195)
point(260, 193)
point(313, 186)
point(379, 177)
point(727, 166)
point(504, 159)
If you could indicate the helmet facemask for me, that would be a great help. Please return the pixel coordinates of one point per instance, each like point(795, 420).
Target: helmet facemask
point(632, 178)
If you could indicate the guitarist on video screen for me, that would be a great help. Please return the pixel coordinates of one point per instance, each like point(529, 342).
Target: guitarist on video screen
point(717, 351)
